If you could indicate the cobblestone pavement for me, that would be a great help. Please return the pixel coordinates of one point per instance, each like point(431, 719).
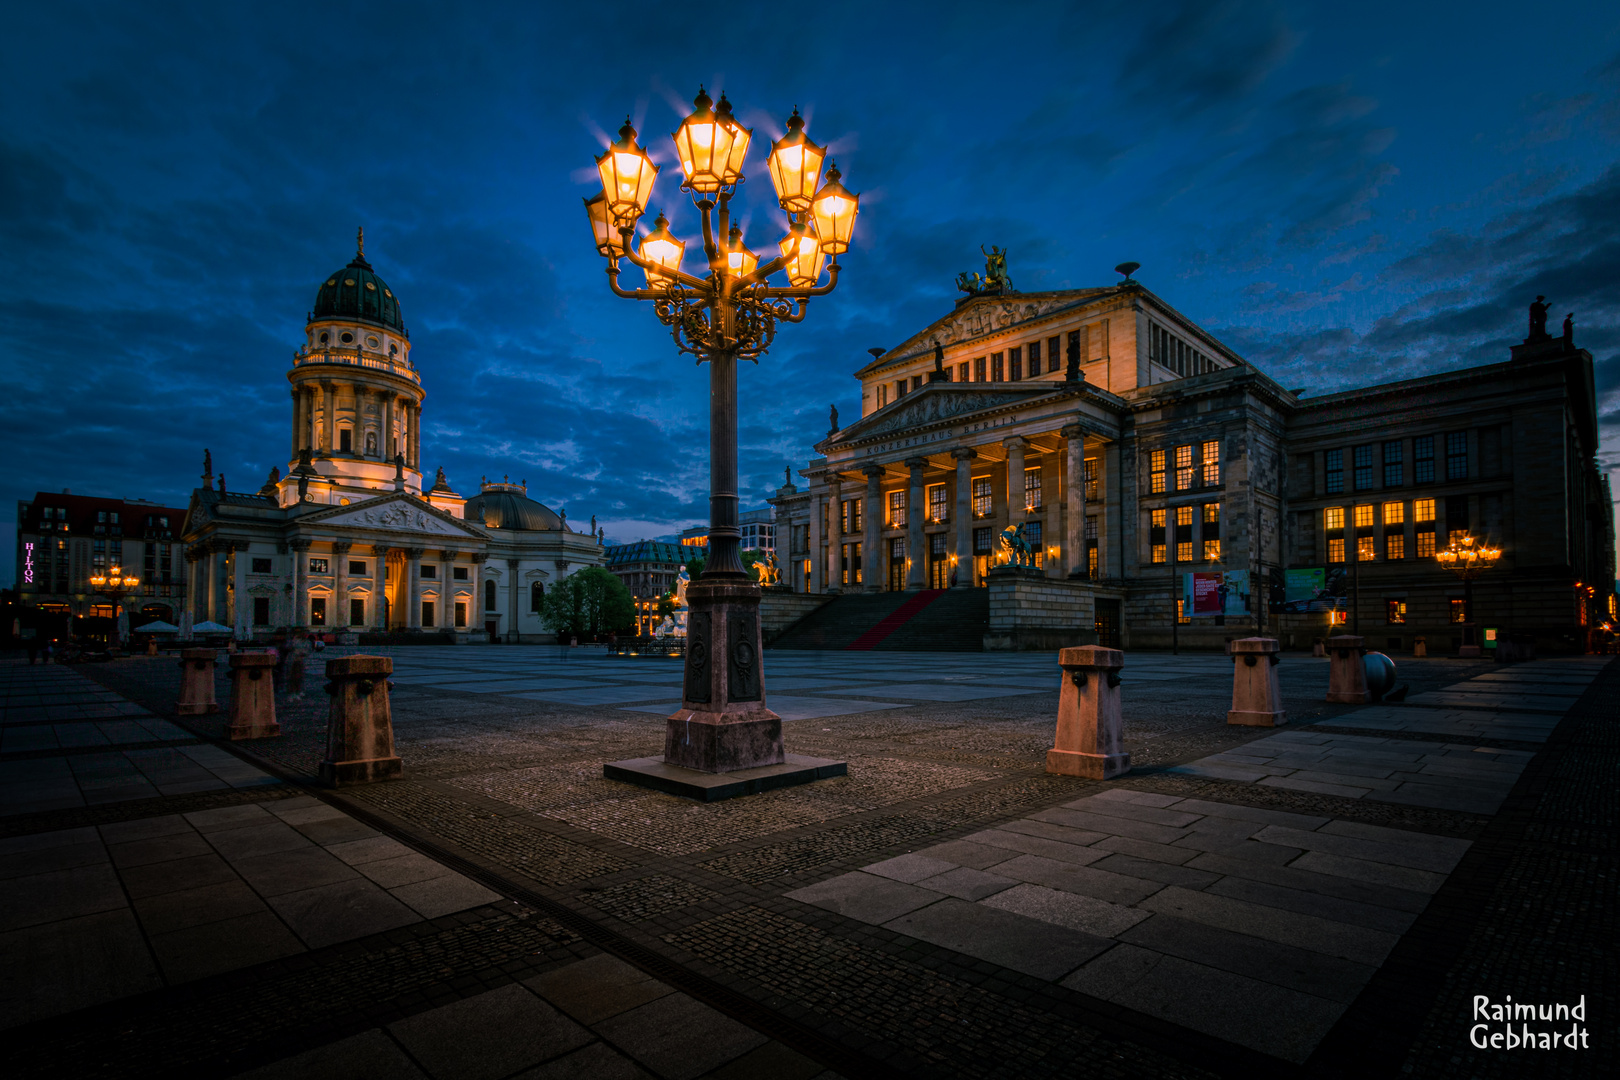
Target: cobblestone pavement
point(948, 909)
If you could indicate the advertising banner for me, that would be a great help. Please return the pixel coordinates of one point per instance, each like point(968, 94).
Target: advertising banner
point(1202, 593)
point(1311, 589)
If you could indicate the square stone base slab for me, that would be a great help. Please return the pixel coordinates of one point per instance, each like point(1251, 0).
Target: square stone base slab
point(253, 731)
point(344, 773)
point(1088, 766)
point(1256, 719)
point(659, 775)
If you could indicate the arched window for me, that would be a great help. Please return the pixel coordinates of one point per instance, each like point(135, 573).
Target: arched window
point(537, 593)
point(489, 596)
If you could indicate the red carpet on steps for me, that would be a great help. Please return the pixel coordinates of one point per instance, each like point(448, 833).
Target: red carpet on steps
point(895, 619)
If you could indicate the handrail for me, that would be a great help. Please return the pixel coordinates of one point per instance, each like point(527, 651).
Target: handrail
point(356, 358)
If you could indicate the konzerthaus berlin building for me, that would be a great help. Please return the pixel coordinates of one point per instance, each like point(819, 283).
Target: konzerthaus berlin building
point(351, 539)
point(1160, 451)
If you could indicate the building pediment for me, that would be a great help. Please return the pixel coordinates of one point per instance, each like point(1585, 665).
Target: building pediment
point(985, 315)
point(398, 513)
point(933, 404)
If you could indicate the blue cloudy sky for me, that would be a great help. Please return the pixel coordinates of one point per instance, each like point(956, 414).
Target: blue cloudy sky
point(1343, 193)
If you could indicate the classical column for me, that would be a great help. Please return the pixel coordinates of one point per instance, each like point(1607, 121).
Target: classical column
point(513, 633)
point(340, 585)
point(194, 589)
point(385, 437)
point(964, 456)
point(241, 607)
point(817, 553)
point(1074, 538)
point(1052, 533)
point(914, 522)
point(416, 437)
point(300, 596)
point(835, 535)
point(478, 591)
point(413, 588)
point(447, 591)
point(871, 558)
point(328, 414)
point(297, 408)
point(1015, 477)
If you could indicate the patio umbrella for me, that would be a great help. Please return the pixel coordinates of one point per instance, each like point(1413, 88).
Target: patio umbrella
point(210, 628)
point(158, 627)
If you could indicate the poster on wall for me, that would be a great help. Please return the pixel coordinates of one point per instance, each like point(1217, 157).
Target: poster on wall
point(1311, 589)
point(1213, 592)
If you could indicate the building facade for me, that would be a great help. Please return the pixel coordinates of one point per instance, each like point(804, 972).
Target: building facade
point(1134, 448)
point(65, 539)
point(350, 539)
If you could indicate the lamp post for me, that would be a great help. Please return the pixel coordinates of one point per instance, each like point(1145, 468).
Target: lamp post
point(727, 313)
point(1467, 558)
point(115, 585)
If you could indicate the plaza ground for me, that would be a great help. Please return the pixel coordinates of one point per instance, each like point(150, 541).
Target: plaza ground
point(1320, 898)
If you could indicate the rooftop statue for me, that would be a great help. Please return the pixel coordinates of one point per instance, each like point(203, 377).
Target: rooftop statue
point(993, 280)
point(1538, 319)
point(832, 418)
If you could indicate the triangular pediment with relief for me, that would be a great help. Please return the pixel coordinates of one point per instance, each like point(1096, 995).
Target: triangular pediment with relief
point(935, 404)
point(396, 513)
point(984, 315)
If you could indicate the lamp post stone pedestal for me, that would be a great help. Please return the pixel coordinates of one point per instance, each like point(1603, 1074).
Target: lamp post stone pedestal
point(1256, 694)
point(1090, 725)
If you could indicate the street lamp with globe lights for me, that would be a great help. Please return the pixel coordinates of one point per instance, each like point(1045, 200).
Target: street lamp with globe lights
point(115, 585)
point(728, 311)
point(1468, 558)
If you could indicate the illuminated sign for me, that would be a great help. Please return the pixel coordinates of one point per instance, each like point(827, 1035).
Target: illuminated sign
point(28, 563)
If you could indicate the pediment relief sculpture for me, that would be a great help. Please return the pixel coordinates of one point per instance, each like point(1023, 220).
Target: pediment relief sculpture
point(936, 406)
point(397, 515)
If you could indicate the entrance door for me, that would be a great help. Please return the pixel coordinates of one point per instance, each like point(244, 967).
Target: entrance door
point(939, 564)
point(897, 566)
point(1107, 623)
point(492, 627)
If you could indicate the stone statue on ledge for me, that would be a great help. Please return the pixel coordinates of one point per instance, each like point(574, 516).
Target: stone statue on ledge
point(1569, 331)
point(1538, 320)
point(787, 476)
point(832, 419)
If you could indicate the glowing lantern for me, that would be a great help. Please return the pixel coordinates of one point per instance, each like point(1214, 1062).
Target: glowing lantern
point(627, 177)
point(608, 240)
point(740, 262)
point(805, 257)
point(662, 249)
point(740, 138)
point(703, 144)
point(834, 209)
point(796, 167)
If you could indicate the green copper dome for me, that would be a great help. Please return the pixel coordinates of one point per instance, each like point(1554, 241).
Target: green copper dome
point(356, 292)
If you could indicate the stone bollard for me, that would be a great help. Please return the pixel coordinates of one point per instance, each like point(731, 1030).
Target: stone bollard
point(1420, 646)
point(1089, 725)
point(1256, 695)
point(1318, 649)
point(360, 730)
point(1347, 675)
point(253, 696)
point(197, 682)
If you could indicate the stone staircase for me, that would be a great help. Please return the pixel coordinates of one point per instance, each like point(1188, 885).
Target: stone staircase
point(948, 620)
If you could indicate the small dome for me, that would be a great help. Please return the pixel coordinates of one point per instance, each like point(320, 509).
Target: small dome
point(356, 292)
point(504, 506)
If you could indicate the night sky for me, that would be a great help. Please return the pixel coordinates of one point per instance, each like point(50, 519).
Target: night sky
point(1344, 194)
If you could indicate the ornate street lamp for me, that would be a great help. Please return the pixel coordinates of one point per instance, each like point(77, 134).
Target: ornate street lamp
point(115, 585)
point(1467, 558)
point(725, 312)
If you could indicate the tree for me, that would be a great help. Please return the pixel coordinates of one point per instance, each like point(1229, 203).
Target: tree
point(592, 602)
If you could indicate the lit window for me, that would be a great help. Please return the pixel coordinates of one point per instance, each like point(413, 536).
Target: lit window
point(317, 566)
point(1333, 519)
point(1423, 510)
point(1459, 611)
point(1394, 513)
point(1184, 468)
point(1212, 464)
point(937, 507)
point(1394, 546)
point(1425, 544)
point(983, 498)
point(1091, 477)
point(1336, 550)
point(1180, 616)
point(1184, 541)
point(1364, 549)
point(1423, 459)
point(1364, 516)
point(1156, 538)
point(1395, 612)
point(1156, 472)
point(1032, 488)
point(1211, 531)
point(897, 509)
point(1334, 471)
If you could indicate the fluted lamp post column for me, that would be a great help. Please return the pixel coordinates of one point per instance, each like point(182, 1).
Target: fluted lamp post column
point(728, 312)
